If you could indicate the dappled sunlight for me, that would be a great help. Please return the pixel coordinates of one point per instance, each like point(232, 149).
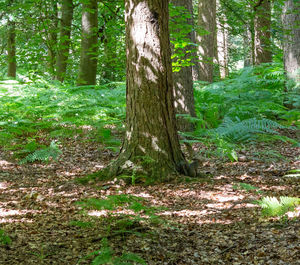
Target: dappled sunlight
point(4, 185)
point(7, 214)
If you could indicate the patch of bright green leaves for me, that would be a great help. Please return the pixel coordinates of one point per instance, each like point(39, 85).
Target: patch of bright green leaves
point(46, 111)
point(271, 206)
point(4, 238)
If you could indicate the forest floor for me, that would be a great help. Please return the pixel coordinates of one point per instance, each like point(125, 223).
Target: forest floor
point(209, 221)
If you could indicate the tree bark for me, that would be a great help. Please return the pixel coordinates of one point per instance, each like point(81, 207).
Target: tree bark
point(64, 39)
point(52, 36)
point(89, 45)
point(207, 21)
point(183, 80)
point(262, 27)
point(11, 49)
point(151, 145)
point(222, 47)
point(291, 42)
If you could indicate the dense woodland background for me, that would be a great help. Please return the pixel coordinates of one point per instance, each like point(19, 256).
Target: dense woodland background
point(101, 100)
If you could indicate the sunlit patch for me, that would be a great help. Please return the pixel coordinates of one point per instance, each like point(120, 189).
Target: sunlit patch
point(4, 213)
point(206, 214)
point(11, 220)
point(106, 213)
point(3, 185)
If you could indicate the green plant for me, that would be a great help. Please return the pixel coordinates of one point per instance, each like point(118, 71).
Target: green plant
point(44, 155)
point(4, 238)
point(272, 207)
point(105, 255)
point(247, 187)
point(294, 173)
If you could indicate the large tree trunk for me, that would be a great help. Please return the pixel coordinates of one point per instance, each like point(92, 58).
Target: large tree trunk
point(151, 145)
point(183, 80)
point(291, 43)
point(262, 27)
point(207, 21)
point(64, 39)
point(11, 49)
point(89, 45)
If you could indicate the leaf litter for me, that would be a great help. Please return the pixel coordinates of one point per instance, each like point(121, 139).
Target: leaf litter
point(212, 220)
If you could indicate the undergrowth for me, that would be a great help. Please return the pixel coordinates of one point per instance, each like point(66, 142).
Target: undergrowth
point(254, 105)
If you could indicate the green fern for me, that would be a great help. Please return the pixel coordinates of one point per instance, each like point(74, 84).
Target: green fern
point(240, 131)
point(105, 255)
point(272, 207)
point(44, 155)
point(4, 238)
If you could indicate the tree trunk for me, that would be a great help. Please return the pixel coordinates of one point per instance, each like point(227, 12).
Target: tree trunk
point(222, 47)
point(52, 36)
point(262, 27)
point(207, 21)
point(183, 80)
point(151, 145)
point(11, 50)
point(89, 45)
point(64, 39)
point(291, 43)
point(247, 47)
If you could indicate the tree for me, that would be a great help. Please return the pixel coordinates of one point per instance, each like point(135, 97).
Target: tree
point(151, 143)
point(183, 77)
point(64, 39)
point(262, 27)
point(291, 42)
point(207, 22)
point(11, 49)
point(89, 45)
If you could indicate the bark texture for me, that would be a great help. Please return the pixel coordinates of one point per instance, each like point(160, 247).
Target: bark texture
point(52, 36)
point(291, 42)
point(183, 80)
point(89, 45)
point(64, 39)
point(262, 27)
point(222, 46)
point(151, 143)
point(11, 49)
point(207, 21)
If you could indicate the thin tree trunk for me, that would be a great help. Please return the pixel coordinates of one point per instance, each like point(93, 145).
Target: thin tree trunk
point(291, 42)
point(222, 48)
point(11, 50)
point(64, 39)
point(207, 21)
point(247, 47)
point(89, 45)
point(183, 80)
point(52, 36)
point(262, 27)
point(151, 144)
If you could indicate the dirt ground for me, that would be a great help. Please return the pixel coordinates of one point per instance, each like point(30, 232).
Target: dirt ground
point(208, 221)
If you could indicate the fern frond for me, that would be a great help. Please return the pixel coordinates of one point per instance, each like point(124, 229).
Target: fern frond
point(240, 131)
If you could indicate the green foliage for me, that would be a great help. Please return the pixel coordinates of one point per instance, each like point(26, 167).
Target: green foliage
point(247, 187)
point(241, 131)
point(295, 173)
point(4, 238)
point(272, 207)
point(31, 114)
point(44, 155)
point(249, 107)
point(121, 224)
point(105, 255)
point(81, 224)
point(180, 31)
